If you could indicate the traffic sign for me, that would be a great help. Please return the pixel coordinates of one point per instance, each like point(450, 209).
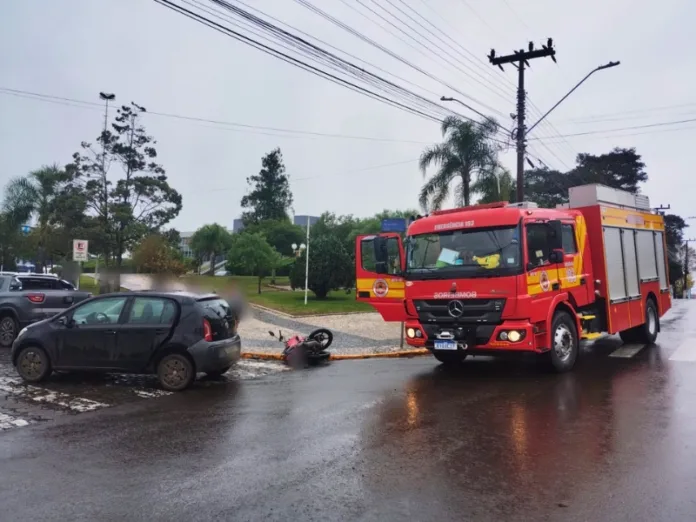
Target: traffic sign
point(394, 225)
point(80, 249)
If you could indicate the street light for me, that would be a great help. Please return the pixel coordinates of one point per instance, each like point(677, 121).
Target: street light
point(297, 250)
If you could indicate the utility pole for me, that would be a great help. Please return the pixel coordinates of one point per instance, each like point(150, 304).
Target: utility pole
point(520, 59)
point(107, 97)
point(686, 266)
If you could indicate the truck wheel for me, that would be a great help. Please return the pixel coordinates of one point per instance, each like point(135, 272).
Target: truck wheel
point(8, 331)
point(450, 358)
point(564, 343)
point(646, 333)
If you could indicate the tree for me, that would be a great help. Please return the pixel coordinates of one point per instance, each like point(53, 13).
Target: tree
point(495, 184)
point(620, 168)
point(270, 197)
point(466, 151)
point(155, 255)
point(674, 237)
point(250, 253)
point(279, 234)
point(211, 241)
point(547, 188)
point(140, 202)
point(330, 266)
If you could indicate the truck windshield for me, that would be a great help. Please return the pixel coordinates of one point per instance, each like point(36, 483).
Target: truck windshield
point(465, 253)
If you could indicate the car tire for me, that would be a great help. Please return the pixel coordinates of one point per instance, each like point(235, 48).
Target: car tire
point(8, 331)
point(564, 343)
point(33, 364)
point(219, 373)
point(175, 372)
point(646, 333)
point(450, 358)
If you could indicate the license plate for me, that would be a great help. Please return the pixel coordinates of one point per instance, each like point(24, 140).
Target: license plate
point(445, 345)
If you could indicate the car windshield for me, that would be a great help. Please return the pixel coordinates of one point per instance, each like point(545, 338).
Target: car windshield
point(469, 253)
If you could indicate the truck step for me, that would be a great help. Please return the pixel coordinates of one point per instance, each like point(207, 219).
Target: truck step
point(586, 317)
point(590, 335)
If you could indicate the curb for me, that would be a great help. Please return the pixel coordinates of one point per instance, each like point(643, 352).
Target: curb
point(342, 357)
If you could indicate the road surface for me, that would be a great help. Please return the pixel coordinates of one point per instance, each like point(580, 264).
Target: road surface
point(377, 440)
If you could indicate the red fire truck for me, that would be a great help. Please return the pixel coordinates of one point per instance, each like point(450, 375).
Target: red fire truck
point(500, 278)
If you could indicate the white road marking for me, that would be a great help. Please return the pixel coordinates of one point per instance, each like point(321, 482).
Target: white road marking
point(17, 388)
point(627, 351)
point(248, 369)
point(8, 422)
point(151, 394)
point(686, 352)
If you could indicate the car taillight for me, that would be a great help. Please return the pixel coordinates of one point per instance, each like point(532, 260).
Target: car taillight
point(36, 298)
point(207, 331)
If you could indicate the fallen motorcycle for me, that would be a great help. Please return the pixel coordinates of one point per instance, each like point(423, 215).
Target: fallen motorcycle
point(301, 351)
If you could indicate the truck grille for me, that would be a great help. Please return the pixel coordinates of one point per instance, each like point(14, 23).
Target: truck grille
point(476, 311)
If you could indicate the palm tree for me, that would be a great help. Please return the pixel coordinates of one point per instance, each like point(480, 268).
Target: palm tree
point(34, 195)
point(494, 184)
point(466, 151)
point(211, 240)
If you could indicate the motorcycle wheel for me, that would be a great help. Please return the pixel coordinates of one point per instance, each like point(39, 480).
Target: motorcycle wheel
point(323, 336)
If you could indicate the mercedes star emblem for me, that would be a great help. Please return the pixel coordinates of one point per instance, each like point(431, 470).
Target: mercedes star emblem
point(455, 308)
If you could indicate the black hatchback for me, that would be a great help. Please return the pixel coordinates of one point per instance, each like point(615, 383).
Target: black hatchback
point(171, 334)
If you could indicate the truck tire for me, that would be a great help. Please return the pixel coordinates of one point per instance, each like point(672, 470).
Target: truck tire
point(564, 343)
point(646, 333)
point(449, 358)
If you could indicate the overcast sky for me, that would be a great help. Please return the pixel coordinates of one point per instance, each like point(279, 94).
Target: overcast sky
point(146, 53)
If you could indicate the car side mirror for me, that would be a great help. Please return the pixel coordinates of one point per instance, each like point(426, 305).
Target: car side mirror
point(66, 321)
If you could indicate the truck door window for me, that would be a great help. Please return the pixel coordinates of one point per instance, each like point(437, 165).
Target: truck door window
point(568, 239)
point(538, 243)
point(367, 255)
point(394, 255)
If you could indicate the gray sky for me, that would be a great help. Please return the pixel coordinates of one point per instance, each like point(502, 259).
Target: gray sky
point(146, 53)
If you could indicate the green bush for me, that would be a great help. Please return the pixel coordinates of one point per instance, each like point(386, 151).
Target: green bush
point(330, 267)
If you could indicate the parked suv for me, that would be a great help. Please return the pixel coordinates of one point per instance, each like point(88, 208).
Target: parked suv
point(20, 306)
point(171, 334)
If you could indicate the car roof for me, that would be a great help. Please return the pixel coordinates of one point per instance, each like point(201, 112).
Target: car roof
point(166, 293)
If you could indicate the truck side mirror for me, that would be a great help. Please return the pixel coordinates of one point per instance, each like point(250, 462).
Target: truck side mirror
point(381, 255)
point(556, 256)
point(556, 238)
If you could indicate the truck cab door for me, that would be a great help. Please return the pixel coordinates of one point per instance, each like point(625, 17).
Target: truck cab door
point(379, 265)
point(543, 282)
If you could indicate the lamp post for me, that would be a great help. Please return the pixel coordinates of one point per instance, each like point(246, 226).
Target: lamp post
point(523, 132)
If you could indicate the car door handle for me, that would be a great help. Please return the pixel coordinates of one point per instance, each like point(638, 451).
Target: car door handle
point(555, 286)
point(161, 330)
point(110, 332)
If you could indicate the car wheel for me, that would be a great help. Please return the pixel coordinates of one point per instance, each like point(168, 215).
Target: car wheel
point(564, 343)
point(8, 331)
point(219, 373)
point(175, 372)
point(450, 358)
point(646, 333)
point(33, 365)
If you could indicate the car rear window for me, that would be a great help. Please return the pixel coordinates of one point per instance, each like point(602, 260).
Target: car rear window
point(215, 306)
point(37, 283)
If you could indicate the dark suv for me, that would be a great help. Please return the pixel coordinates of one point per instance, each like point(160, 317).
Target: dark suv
point(171, 334)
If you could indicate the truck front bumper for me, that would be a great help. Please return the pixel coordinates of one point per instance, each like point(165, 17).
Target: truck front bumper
point(509, 336)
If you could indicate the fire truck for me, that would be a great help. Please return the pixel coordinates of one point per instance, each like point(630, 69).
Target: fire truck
point(501, 278)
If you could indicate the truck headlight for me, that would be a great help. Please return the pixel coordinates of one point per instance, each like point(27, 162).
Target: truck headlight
point(411, 333)
point(514, 336)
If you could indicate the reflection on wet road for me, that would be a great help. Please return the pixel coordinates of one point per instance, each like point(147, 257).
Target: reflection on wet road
point(383, 440)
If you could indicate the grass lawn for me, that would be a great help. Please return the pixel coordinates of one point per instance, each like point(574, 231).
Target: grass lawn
point(89, 284)
point(281, 300)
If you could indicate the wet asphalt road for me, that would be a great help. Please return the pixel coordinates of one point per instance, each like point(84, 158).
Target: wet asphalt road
point(383, 440)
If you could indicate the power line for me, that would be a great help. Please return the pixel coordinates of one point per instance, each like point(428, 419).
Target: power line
point(93, 105)
point(299, 63)
point(660, 124)
point(626, 115)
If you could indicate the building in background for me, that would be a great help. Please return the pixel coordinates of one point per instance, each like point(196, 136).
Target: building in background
point(237, 225)
point(302, 220)
point(185, 245)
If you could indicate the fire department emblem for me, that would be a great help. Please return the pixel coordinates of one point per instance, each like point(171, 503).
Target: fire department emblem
point(544, 281)
point(380, 288)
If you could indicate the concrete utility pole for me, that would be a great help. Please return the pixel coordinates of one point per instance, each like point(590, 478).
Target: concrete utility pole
point(520, 59)
point(107, 97)
point(686, 266)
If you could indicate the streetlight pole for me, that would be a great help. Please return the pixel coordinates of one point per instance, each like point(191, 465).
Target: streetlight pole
point(522, 133)
point(107, 97)
point(306, 280)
